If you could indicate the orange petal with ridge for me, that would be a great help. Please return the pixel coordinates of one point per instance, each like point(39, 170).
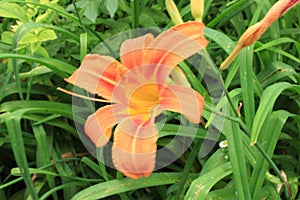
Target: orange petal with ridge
point(176, 44)
point(97, 74)
point(98, 125)
point(183, 100)
point(133, 152)
point(131, 51)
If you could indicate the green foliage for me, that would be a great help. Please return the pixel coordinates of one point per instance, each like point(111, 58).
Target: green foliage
point(93, 8)
point(42, 157)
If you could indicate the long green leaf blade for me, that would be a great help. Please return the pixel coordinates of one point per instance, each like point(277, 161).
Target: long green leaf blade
point(267, 102)
point(13, 123)
point(237, 158)
point(201, 186)
point(271, 129)
point(109, 188)
point(247, 79)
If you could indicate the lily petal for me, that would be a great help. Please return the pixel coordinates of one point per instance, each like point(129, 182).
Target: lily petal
point(98, 125)
point(133, 153)
point(183, 100)
point(98, 75)
point(176, 44)
point(132, 50)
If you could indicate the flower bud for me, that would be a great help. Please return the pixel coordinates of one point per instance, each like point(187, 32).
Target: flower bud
point(173, 12)
point(254, 32)
point(197, 8)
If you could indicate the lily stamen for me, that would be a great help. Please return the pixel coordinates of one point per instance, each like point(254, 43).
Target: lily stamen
point(82, 96)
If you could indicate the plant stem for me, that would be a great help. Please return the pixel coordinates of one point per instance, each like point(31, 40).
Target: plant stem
point(135, 13)
point(78, 16)
point(210, 109)
point(275, 168)
point(189, 163)
point(266, 156)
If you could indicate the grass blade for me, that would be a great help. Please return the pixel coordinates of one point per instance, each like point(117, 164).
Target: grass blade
point(13, 124)
point(59, 67)
point(276, 42)
point(271, 129)
point(113, 187)
point(83, 45)
point(237, 158)
point(201, 186)
point(267, 102)
point(43, 155)
point(188, 164)
point(246, 75)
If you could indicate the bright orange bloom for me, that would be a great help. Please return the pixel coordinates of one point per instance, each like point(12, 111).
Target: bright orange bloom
point(138, 90)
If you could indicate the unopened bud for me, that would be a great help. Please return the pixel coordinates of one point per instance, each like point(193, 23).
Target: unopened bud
point(254, 32)
point(197, 8)
point(173, 12)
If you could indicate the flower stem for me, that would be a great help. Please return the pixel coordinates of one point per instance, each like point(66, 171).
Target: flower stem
point(78, 16)
point(219, 113)
point(225, 64)
point(135, 16)
point(186, 170)
point(275, 168)
point(266, 156)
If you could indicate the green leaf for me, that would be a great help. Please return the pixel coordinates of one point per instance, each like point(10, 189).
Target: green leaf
point(43, 156)
point(101, 171)
point(201, 186)
point(46, 17)
point(17, 172)
point(223, 101)
point(46, 35)
point(278, 70)
point(230, 12)
point(12, 10)
point(47, 6)
point(185, 131)
point(267, 102)
point(237, 157)
point(110, 188)
point(225, 193)
point(63, 186)
point(91, 10)
point(61, 68)
point(7, 36)
point(2, 195)
point(286, 54)
point(146, 20)
point(39, 70)
point(271, 131)
point(111, 6)
point(83, 45)
point(220, 38)
point(36, 106)
point(35, 37)
point(247, 84)
point(13, 124)
point(275, 42)
point(219, 158)
point(183, 184)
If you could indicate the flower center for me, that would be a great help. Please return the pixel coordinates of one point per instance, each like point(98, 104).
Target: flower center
point(143, 99)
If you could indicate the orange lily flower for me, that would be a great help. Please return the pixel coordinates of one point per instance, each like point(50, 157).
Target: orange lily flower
point(138, 90)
